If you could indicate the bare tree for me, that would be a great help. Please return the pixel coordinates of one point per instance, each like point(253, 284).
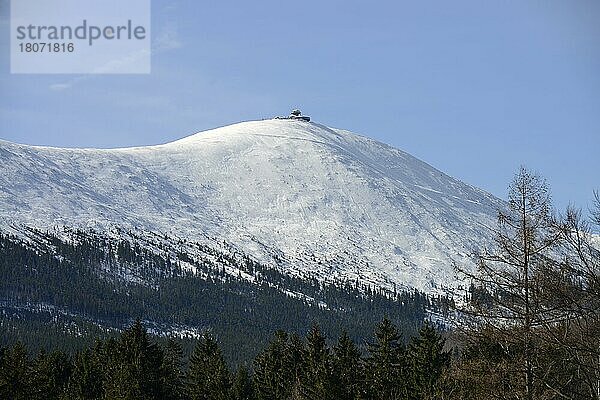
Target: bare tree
point(536, 297)
point(505, 302)
point(576, 292)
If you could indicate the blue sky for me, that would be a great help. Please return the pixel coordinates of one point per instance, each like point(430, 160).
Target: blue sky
point(473, 88)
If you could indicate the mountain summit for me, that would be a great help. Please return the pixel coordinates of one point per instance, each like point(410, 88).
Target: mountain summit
point(294, 194)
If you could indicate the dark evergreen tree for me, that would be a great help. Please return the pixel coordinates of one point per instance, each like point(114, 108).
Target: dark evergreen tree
point(293, 364)
point(316, 383)
point(208, 375)
point(386, 364)
point(172, 377)
point(133, 366)
point(50, 373)
point(14, 373)
point(274, 370)
point(348, 380)
point(428, 360)
point(242, 385)
point(86, 381)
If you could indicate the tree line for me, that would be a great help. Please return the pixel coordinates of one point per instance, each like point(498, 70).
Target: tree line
point(134, 366)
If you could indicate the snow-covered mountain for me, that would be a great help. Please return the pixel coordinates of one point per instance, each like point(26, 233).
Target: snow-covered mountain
point(301, 196)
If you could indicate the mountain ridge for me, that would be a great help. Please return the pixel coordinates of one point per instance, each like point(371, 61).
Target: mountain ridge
point(297, 195)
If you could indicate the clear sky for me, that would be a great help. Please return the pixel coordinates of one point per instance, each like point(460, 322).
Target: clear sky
point(474, 88)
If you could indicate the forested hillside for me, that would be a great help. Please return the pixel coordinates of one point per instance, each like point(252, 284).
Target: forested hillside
point(63, 292)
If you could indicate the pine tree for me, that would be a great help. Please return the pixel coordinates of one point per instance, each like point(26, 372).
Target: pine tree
point(133, 366)
point(293, 362)
point(348, 371)
point(86, 381)
point(386, 365)
point(242, 385)
point(208, 375)
point(427, 360)
point(172, 378)
point(274, 370)
point(316, 383)
point(50, 374)
point(14, 373)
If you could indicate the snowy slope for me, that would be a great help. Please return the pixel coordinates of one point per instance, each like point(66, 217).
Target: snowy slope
point(299, 195)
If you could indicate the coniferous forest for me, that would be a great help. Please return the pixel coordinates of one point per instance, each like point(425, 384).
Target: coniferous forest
point(63, 294)
point(134, 366)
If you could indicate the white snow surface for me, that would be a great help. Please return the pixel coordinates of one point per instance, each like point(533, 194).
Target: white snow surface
point(301, 196)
